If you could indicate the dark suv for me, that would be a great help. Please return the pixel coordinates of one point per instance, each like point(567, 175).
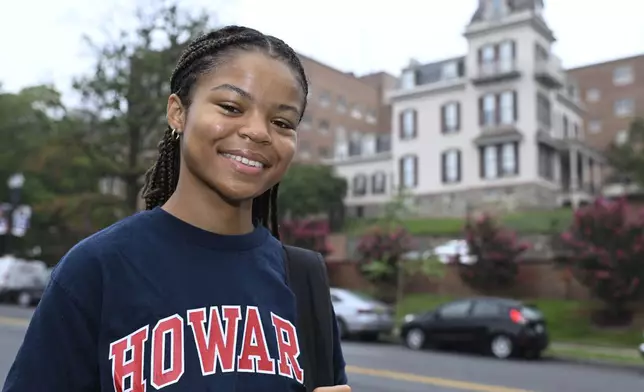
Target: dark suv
point(499, 326)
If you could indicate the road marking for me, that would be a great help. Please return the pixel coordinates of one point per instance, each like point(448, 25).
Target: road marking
point(14, 321)
point(435, 381)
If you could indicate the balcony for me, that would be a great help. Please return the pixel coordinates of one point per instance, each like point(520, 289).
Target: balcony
point(496, 71)
point(550, 73)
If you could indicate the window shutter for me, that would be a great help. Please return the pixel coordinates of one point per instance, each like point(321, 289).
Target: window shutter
point(499, 160)
point(443, 119)
point(444, 167)
point(401, 130)
point(401, 173)
point(481, 115)
point(415, 122)
point(458, 166)
point(515, 105)
point(514, 50)
point(516, 158)
point(482, 162)
point(480, 56)
point(415, 171)
point(458, 116)
point(497, 109)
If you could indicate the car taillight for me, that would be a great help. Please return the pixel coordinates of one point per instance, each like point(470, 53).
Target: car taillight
point(517, 317)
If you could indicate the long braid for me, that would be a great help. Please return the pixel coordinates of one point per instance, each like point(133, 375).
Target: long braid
point(200, 57)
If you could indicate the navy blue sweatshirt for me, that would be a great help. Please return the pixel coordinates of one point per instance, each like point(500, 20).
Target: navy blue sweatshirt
point(154, 303)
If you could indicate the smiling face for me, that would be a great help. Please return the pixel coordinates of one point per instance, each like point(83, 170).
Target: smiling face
point(239, 132)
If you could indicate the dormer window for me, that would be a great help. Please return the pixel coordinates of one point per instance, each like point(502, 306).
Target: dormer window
point(408, 79)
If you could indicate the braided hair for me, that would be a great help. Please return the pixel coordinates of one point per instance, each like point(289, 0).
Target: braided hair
point(202, 56)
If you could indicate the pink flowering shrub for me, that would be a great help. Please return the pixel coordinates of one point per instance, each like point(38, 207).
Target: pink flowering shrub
point(381, 250)
point(495, 251)
point(605, 250)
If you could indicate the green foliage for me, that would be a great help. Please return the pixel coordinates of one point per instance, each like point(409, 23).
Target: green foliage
point(628, 158)
point(310, 190)
point(126, 94)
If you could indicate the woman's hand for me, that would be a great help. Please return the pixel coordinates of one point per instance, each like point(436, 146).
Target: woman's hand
point(337, 388)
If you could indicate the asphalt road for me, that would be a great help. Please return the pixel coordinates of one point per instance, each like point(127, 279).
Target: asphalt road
point(390, 368)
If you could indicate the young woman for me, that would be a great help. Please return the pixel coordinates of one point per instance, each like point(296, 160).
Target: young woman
point(189, 295)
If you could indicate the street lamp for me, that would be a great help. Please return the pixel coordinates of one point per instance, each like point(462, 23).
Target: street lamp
point(15, 184)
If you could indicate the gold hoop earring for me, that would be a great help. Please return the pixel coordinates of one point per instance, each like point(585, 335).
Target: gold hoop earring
point(177, 135)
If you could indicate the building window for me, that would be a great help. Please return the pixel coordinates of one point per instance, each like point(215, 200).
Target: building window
point(623, 75)
point(324, 127)
point(594, 126)
point(508, 107)
point(409, 171)
point(544, 113)
point(488, 110)
point(506, 56)
point(450, 117)
point(546, 159)
point(499, 160)
point(383, 143)
point(451, 166)
point(371, 117)
point(360, 185)
point(593, 95)
point(408, 79)
point(624, 107)
point(368, 144)
point(342, 105)
point(487, 58)
point(306, 123)
point(325, 99)
point(565, 125)
point(379, 183)
point(355, 144)
point(498, 109)
point(408, 124)
point(621, 137)
point(450, 70)
point(575, 133)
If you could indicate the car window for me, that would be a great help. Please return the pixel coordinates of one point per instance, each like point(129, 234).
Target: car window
point(486, 309)
point(335, 298)
point(531, 314)
point(455, 309)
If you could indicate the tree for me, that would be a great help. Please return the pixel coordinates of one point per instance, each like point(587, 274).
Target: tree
point(494, 250)
point(628, 158)
point(604, 248)
point(126, 95)
point(308, 190)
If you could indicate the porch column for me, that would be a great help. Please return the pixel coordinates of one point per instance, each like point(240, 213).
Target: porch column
point(586, 174)
point(574, 178)
point(556, 167)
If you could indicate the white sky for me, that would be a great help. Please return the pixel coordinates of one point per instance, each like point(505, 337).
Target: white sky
point(41, 40)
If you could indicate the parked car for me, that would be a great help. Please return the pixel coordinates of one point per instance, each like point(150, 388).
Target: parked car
point(360, 315)
point(498, 326)
point(22, 281)
point(641, 349)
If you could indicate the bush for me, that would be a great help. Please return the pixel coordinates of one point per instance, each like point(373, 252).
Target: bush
point(380, 252)
point(494, 254)
point(605, 251)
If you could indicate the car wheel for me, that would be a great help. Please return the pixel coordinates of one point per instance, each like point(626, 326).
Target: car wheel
point(343, 330)
point(415, 339)
point(24, 299)
point(501, 346)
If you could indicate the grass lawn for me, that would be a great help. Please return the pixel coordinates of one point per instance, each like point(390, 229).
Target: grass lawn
point(567, 321)
point(532, 222)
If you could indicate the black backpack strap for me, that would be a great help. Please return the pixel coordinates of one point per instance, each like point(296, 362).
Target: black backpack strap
point(306, 275)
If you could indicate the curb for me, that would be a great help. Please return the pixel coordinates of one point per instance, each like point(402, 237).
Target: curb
point(598, 363)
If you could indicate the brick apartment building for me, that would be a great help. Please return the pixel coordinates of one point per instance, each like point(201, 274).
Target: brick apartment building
point(613, 94)
point(342, 110)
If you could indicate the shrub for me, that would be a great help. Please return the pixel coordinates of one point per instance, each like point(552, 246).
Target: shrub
point(380, 252)
point(494, 255)
point(605, 251)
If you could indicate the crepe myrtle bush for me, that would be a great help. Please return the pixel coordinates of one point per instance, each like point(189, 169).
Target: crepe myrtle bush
point(494, 252)
point(604, 249)
point(381, 251)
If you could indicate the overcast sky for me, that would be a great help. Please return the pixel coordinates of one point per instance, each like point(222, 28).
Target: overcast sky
point(41, 40)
